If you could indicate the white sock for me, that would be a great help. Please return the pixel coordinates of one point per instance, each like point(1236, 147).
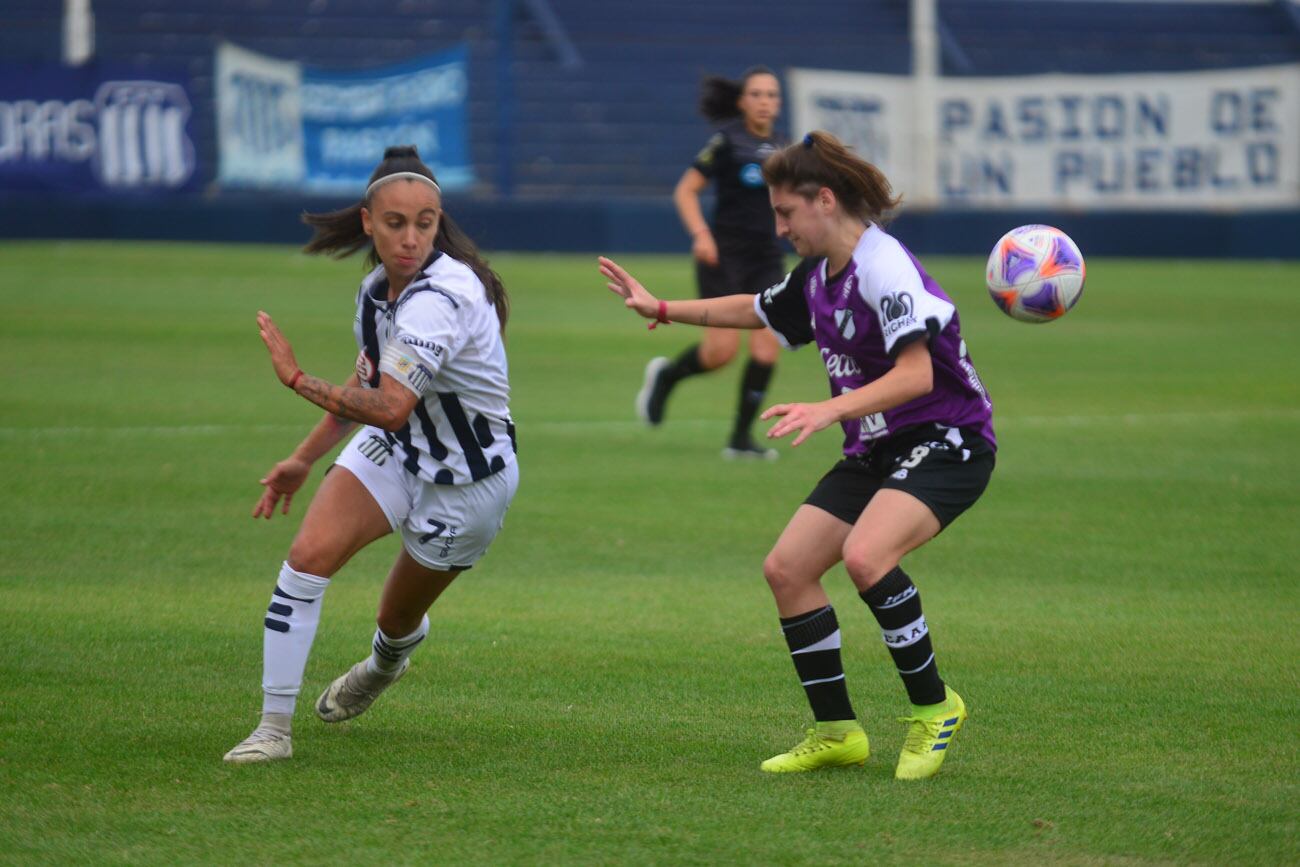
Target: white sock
point(387, 653)
point(291, 622)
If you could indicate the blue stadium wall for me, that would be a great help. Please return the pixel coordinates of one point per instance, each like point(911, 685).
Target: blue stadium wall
point(595, 149)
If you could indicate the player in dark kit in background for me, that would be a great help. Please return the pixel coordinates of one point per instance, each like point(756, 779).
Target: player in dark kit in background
point(918, 439)
point(739, 254)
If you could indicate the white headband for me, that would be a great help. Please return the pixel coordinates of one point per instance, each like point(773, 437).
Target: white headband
point(398, 176)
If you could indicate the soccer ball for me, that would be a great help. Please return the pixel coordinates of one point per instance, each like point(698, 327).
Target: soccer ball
point(1035, 273)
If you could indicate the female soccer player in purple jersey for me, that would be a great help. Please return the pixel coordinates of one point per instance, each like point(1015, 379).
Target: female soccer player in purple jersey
point(434, 459)
point(918, 438)
point(739, 252)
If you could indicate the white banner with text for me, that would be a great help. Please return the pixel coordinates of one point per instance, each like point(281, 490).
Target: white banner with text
point(1223, 139)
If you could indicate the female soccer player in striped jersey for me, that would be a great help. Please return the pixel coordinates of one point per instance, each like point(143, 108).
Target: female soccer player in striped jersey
point(918, 438)
point(434, 459)
point(738, 253)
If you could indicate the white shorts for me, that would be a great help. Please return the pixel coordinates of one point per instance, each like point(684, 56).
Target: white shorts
point(443, 527)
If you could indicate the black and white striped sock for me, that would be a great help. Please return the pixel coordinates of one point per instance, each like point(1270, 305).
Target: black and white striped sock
point(387, 653)
point(290, 628)
point(814, 641)
point(897, 605)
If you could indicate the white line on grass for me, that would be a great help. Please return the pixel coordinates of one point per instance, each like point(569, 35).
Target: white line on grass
point(574, 426)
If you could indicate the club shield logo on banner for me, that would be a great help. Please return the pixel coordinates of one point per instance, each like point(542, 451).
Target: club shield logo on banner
point(95, 128)
point(259, 122)
point(1222, 139)
point(284, 125)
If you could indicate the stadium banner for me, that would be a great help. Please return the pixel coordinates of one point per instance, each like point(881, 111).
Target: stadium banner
point(1224, 139)
point(259, 122)
point(97, 128)
point(349, 118)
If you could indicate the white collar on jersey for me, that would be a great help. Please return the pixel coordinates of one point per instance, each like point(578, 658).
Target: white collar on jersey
point(399, 176)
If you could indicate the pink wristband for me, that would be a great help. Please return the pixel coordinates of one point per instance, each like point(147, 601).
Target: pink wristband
point(293, 383)
point(661, 316)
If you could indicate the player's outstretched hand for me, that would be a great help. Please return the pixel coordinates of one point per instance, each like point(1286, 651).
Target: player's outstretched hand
point(806, 418)
point(286, 366)
point(284, 480)
point(628, 288)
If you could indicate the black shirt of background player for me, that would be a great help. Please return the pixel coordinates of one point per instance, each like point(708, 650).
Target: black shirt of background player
point(733, 160)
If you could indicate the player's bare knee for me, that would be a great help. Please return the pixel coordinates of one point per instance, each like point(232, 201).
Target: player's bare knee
point(781, 576)
point(867, 567)
point(305, 555)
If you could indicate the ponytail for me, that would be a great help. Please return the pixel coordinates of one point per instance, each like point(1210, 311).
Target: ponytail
point(822, 160)
point(340, 233)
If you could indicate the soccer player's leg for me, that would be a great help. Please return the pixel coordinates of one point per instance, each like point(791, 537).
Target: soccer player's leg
point(808, 547)
point(447, 531)
point(342, 519)
point(894, 523)
point(760, 269)
point(401, 625)
point(717, 348)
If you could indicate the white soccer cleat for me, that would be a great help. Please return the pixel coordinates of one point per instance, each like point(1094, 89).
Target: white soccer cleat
point(351, 694)
point(265, 744)
point(652, 398)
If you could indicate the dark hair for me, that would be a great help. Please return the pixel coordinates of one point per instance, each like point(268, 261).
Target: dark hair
point(822, 160)
point(718, 95)
point(340, 233)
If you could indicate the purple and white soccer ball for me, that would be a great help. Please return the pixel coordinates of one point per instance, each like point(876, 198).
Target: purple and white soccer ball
point(1035, 273)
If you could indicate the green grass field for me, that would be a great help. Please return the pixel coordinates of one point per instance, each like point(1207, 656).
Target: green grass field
point(1120, 610)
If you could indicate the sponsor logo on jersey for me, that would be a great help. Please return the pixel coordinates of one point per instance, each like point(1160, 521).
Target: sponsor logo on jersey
point(896, 310)
point(423, 344)
point(841, 366)
point(751, 175)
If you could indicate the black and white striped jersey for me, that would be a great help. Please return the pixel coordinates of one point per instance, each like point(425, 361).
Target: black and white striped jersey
point(442, 340)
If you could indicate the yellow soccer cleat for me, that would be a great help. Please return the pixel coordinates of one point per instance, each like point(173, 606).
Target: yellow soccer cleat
point(929, 738)
point(832, 745)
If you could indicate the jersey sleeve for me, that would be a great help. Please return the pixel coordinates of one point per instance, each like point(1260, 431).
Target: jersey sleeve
point(784, 307)
point(907, 312)
point(428, 332)
point(708, 159)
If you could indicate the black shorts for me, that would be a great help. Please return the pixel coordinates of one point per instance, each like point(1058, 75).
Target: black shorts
point(744, 267)
point(925, 462)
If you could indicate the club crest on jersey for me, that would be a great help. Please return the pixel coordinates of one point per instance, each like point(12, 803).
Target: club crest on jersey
point(752, 175)
point(844, 323)
point(365, 366)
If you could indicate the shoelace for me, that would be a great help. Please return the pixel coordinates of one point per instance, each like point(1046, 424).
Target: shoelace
point(920, 733)
point(264, 735)
point(810, 744)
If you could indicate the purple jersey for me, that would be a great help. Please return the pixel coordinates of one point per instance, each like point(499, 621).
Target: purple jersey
point(882, 301)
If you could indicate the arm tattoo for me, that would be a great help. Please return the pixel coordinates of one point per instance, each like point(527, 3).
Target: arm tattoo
point(366, 405)
point(704, 318)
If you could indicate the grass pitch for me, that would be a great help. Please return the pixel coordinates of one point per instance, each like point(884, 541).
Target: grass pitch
point(1119, 610)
